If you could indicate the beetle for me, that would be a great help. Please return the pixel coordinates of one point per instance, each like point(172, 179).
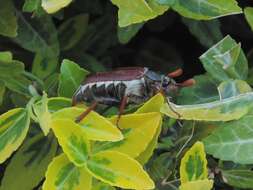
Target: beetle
point(122, 86)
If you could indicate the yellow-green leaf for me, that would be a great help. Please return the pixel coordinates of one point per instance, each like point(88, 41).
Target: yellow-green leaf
point(52, 6)
point(138, 130)
point(64, 175)
point(72, 140)
point(119, 170)
point(95, 126)
point(136, 11)
point(154, 104)
point(197, 185)
point(14, 125)
point(221, 110)
point(43, 115)
point(28, 165)
point(148, 152)
point(194, 164)
point(102, 186)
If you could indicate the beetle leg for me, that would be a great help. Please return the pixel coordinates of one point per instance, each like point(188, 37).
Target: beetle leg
point(172, 109)
point(121, 108)
point(168, 102)
point(73, 101)
point(176, 73)
point(86, 112)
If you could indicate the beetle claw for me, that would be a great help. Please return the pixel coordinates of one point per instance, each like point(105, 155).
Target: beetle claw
point(176, 73)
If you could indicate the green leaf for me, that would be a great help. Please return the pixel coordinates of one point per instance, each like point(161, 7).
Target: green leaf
point(28, 166)
point(204, 9)
point(125, 34)
point(157, 8)
point(95, 126)
point(51, 84)
point(197, 185)
point(18, 84)
point(38, 35)
point(57, 103)
point(248, 12)
point(137, 11)
point(2, 91)
point(222, 110)
point(31, 5)
point(42, 113)
point(139, 130)
point(6, 56)
point(70, 78)
point(226, 60)
point(238, 178)
point(193, 165)
point(232, 88)
point(232, 141)
point(12, 68)
point(12, 74)
point(205, 90)
point(107, 166)
point(70, 32)
point(102, 186)
point(14, 125)
point(207, 32)
point(8, 20)
point(44, 66)
point(72, 140)
point(52, 6)
point(64, 175)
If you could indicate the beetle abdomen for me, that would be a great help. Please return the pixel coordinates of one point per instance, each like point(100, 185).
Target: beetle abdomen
point(112, 92)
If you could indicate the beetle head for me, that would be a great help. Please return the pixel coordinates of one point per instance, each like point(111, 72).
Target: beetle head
point(168, 86)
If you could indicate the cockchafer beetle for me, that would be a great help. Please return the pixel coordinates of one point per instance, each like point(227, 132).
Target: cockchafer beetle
point(129, 85)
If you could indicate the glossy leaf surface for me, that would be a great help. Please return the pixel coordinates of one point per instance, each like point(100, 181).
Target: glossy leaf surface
point(204, 9)
point(13, 129)
point(107, 166)
point(193, 165)
point(72, 140)
point(62, 174)
point(224, 110)
point(52, 6)
point(95, 126)
point(197, 185)
point(225, 60)
point(238, 178)
point(232, 141)
point(70, 78)
point(138, 130)
point(137, 11)
point(28, 166)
